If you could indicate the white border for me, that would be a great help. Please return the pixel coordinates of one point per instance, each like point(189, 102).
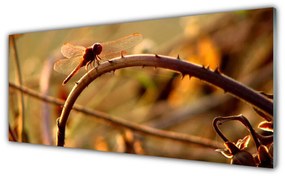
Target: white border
point(35, 15)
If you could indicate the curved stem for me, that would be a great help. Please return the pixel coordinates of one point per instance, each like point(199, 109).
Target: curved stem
point(246, 123)
point(213, 77)
point(219, 120)
point(216, 123)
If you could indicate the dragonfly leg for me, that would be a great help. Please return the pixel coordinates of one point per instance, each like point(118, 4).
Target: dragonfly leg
point(98, 58)
point(88, 63)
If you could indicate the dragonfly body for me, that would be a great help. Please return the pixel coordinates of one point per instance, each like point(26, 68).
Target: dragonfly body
point(79, 56)
point(90, 55)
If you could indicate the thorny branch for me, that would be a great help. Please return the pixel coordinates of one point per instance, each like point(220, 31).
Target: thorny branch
point(215, 78)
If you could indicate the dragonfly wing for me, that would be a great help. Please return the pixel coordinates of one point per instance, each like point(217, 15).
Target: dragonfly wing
point(66, 66)
point(69, 51)
point(114, 48)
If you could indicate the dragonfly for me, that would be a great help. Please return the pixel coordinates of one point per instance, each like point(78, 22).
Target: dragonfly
point(77, 56)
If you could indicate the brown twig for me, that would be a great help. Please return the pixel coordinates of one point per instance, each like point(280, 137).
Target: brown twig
point(122, 123)
point(213, 77)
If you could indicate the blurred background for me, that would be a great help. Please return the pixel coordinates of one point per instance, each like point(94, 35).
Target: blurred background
point(240, 43)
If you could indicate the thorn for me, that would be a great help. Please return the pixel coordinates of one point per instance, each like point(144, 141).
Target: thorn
point(190, 77)
point(110, 61)
point(203, 67)
point(208, 67)
point(57, 121)
point(157, 56)
point(182, 75)
point(217, 70)
point(178, 57)
point(76, 82)
point(266, 94)
point(122, 55)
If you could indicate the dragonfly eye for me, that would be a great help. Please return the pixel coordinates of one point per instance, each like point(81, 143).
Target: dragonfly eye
point(97, 48)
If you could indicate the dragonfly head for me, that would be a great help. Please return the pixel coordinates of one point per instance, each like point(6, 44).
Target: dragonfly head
point(97, 48)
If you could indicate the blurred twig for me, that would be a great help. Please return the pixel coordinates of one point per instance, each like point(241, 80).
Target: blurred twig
point(21, 116)
point(122, 123)
point(37, 95)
